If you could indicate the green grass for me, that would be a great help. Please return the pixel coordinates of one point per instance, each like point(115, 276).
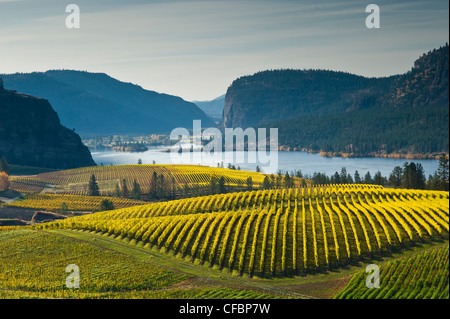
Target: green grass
point(33, 263)
point(321, 285)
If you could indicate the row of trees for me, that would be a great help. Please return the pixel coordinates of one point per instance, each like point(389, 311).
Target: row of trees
point(411, 175)
point(160, 189)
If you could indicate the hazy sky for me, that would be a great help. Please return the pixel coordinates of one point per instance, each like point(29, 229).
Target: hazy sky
point(195, 49)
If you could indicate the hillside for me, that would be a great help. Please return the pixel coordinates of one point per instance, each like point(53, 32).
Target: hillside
point(419, 283)
point(32, 135)
point(106, 273)
point(95, 103)
point(321, 110)
point(280, 232)
point(180, 178)
point(213, 108)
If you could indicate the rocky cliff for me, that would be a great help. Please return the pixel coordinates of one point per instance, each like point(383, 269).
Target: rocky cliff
point(31, 134)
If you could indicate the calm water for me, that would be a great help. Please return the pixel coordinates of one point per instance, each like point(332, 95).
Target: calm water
point(287, 161)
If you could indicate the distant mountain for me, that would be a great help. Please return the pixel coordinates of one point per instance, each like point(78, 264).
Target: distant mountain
point(214, 108)
point(338, 112)
point(32, 135)
point(95, 103)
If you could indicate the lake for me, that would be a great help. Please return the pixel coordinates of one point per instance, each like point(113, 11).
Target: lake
point(308, 163)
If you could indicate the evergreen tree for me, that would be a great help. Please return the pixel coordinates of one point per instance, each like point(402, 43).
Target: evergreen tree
point(288, 182)
point(222, 188)
point(213, 185)
point(349, 178)
point(93, 189)
point(173, 190)
point(4, 167)
point(433, 182)
point(136, 191)
point(357, 178)
point(413, 176)
point(336, 178)
point(420, 177)
point(319, 179)
point(117, 192)
point(278, 180)
point(343, 176)
point(443, 173)
point(105, 205)
point(395, 179)
point(378, 179)
point(152, 194)
point(249, 183)
point(124, 189)
point(368, 178)
point(266, 183)
point(63, 209)
point(161, 188)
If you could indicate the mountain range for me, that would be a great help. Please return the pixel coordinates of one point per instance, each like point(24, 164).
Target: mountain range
point(95, 103)
point(336, 113)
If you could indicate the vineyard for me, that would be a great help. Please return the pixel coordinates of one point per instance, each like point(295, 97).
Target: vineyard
point(424, 276)
point(52, 202)
point(281, 232)
point(75, 181)
point(33, 263)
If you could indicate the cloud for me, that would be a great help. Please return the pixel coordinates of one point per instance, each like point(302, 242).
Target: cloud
point(196, 48)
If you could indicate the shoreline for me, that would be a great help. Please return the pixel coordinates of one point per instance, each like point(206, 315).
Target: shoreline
point(411, 156)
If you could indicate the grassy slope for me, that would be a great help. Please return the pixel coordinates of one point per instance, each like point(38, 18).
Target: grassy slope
point(160, 236)
point(324, 285)
point(74, 181)
point(32, 265)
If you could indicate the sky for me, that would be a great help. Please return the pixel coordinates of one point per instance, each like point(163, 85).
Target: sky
point(195, 49)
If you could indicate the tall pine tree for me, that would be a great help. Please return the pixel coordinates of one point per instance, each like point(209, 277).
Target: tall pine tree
point(93, 189)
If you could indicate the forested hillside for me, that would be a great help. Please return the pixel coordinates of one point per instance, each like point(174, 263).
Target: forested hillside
point(95, 103)
point(338, 112)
